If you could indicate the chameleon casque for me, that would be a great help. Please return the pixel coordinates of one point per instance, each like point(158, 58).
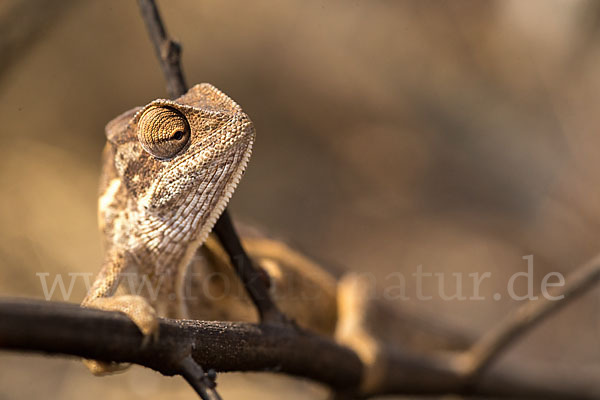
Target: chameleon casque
point(169, 169)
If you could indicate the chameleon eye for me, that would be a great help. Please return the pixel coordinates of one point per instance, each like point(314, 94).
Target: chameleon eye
point(163, 131)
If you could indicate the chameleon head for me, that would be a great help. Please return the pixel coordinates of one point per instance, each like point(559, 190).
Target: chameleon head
point(180, 161)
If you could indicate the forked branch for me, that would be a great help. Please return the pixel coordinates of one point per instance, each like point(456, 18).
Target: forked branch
point(68, 329)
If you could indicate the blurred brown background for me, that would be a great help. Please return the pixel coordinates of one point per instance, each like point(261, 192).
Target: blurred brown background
point(456, 135)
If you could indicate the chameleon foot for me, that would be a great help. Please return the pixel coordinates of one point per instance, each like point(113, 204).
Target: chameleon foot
point(138, 310)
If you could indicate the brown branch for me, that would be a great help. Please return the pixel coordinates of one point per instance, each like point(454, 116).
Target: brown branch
point(169, 54)
point(62, 328)
point(491, 345)
point(224, 346)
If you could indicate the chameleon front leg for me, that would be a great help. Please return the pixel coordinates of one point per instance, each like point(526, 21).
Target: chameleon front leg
point(137, 308)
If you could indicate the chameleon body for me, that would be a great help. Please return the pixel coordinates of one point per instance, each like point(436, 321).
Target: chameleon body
point(169, 169)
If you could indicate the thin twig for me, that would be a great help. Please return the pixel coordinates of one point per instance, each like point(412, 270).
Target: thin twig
point(255, 280)
point(487, 349)
point(193, 373)
point(167, 50)
point(62, 328)
point(169, 53)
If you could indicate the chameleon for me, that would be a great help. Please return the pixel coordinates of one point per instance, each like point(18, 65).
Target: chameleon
point(168, 171)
